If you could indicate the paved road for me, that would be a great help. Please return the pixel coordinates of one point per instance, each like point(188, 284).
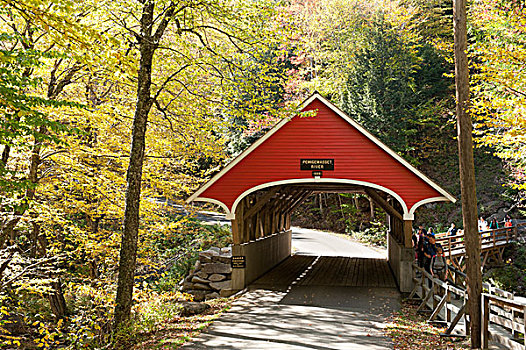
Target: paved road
point(301, 305)
point(314, 242)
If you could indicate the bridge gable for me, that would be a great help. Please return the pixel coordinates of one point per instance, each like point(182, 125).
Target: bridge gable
point(358, 158)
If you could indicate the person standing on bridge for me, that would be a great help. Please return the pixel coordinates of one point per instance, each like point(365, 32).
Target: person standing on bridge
point(414, 241)
point(493, 225)
point(507, 221)
point(452, 231)
point(439, 264)
point(420, 247)
point(430, 232)
point(429, 250)
point(483, 224)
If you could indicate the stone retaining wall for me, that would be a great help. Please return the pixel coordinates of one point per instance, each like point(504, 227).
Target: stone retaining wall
point(211, 276)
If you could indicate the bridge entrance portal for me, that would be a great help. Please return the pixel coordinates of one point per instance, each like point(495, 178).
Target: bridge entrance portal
point(327, 152)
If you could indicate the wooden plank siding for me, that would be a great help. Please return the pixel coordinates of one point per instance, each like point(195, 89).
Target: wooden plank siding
point(324, 136)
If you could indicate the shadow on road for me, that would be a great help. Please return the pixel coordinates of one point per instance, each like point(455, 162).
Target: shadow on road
point(296, 306)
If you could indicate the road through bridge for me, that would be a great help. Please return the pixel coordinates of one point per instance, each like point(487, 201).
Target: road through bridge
point(312, 301)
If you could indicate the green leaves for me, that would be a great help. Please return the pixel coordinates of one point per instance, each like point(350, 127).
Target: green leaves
point(23, 112)
point(499, 90)
point(392, 82)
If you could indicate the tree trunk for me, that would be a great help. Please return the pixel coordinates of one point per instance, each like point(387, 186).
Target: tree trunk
point(34, 239)
point(8, 231)
point(5, 155)
point(128, 251)
point(57, 301)
point(42, 240)
point(467, 173)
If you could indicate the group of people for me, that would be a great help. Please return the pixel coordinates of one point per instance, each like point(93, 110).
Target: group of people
point(429, 254)
point(493, 224)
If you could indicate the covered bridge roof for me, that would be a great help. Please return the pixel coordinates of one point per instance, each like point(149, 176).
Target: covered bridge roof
point(292, 151)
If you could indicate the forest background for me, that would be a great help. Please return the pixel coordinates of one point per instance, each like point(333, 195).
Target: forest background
point(223, 72)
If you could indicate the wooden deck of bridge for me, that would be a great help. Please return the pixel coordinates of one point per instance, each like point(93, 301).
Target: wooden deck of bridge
point(493, 243)
point(483, 248)
point(329, 271)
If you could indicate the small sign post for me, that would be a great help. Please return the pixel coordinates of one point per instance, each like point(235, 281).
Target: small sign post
point(239, 262)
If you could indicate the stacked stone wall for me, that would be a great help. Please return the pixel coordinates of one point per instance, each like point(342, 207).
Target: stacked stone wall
point(211, 276)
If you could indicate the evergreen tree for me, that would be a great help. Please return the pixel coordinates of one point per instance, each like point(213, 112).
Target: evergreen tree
point(394, 85)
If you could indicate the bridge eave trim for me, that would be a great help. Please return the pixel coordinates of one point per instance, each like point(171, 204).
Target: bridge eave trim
point(426, 201)
point(238, 159)
point(231, 212)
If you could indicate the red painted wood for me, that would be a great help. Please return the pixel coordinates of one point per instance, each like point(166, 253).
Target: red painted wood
point(325, 136)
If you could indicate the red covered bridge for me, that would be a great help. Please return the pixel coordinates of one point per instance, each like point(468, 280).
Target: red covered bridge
point(327, 152)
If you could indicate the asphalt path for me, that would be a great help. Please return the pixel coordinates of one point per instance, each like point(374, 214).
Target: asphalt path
point(319, 243)
point(307, 241)
point(313, 316)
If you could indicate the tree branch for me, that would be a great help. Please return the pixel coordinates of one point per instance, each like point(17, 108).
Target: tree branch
point(25, 270)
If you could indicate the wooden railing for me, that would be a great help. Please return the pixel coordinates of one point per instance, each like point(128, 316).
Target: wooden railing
point(517, 230)
point(503, 321)
point(492, 243)
point(441, 299)
point(506, 234)
point(503, 317)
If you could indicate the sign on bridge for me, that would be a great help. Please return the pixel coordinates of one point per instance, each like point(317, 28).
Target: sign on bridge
point(317, 164)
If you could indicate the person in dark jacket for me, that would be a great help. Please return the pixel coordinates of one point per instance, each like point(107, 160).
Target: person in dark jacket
point(452, 231)
point(422, 241)
point(429, 251)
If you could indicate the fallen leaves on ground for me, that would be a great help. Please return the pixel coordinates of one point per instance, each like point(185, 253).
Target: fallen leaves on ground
point(409, 330)
point(178, 330)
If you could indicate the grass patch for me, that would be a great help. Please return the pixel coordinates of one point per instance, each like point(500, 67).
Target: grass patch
point(409, 330)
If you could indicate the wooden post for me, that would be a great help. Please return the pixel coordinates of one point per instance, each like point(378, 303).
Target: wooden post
point(267, 222)
point(241, 221)
point(238, 275)
point(494, 239)
point(514, 332)
point(435, 292)
point(449, 248)
point(448, 302)
point(467, 172)
point(272, 216)
point(485, 321)
point(260, 225)
point(408, 232)
point(236, 238)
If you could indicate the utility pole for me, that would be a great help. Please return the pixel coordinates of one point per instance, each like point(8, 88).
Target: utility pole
point(467, 173)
